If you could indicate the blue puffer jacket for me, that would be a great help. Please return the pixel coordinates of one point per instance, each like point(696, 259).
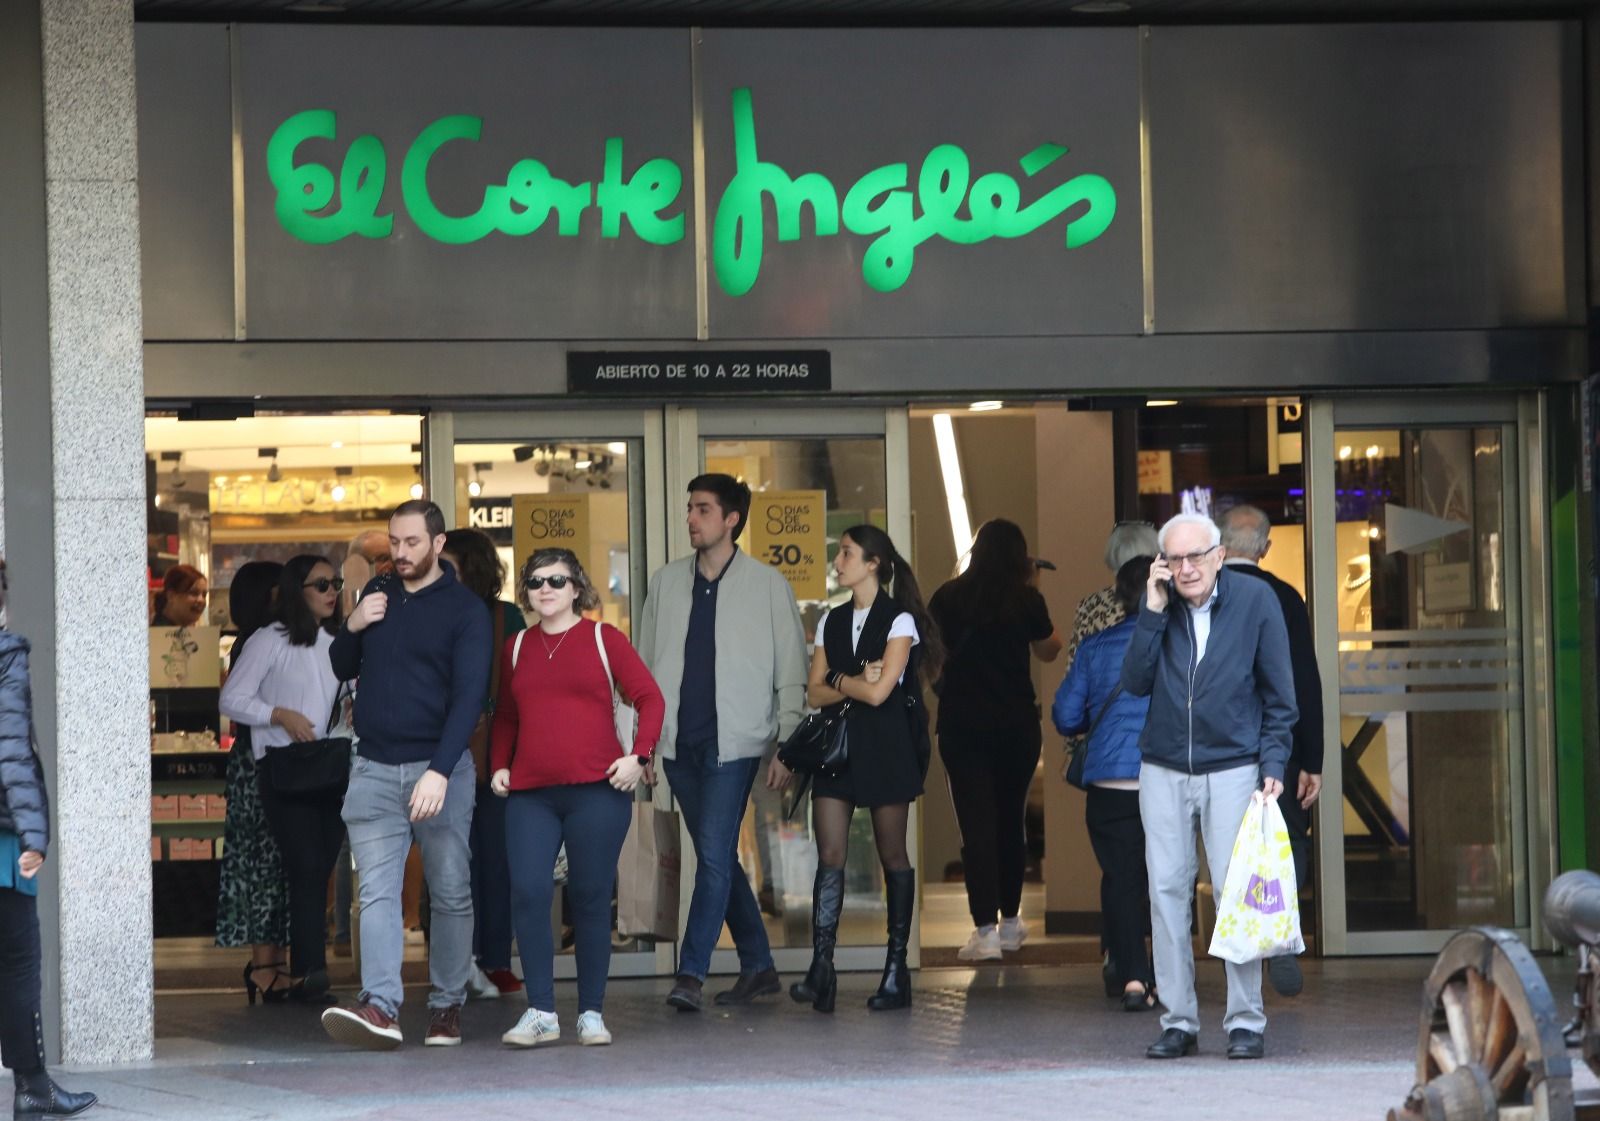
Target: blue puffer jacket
point(23, 807)
point(1114, 749)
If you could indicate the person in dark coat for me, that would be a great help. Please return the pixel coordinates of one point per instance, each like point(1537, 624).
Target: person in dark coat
point(1245, 537)
point(24, 843)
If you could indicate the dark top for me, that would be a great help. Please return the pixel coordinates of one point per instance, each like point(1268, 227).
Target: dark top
point(1306, 752)
point(24, 807)
point(697, 694)
point(424, 670)
point(1236, 705)
point(988, 678)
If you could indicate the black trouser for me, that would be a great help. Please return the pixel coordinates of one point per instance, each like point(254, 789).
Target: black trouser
point(1116, 832)
point(1299, 822)
point(989, 775)
point(309, 831)
point(19, 982)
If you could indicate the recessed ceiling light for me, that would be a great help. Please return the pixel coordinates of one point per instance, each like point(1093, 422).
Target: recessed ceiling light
point(986, 406)
point(1159, 404)
point(1099, 7)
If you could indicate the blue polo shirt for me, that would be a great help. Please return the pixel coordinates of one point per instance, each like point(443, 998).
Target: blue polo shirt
point(697, 695)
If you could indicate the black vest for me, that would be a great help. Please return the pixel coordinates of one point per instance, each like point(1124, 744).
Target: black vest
point(901, 721)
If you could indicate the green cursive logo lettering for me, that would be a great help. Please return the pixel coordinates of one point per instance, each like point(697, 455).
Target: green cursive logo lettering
point(883, 205)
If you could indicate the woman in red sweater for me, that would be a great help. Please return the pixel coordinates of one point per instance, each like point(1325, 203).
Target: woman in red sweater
point(556, 757)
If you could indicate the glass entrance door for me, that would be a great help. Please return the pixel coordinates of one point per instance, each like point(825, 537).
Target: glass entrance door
point(1424, 633)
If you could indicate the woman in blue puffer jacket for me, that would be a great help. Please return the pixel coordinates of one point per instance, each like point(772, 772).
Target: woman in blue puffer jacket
point(1091, 697)
point(24, 840)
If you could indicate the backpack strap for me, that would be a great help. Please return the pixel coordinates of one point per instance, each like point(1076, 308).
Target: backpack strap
point(605, 660)
point(516, 649)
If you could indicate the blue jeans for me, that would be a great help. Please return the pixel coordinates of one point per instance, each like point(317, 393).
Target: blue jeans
point(712, 796)
point(593, 820)
point(378, 816)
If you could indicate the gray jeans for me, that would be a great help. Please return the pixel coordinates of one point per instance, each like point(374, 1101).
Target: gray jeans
point(378, 815)
point(1172, 804)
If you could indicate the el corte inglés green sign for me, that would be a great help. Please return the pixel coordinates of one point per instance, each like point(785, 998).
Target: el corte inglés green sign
point(317, 206)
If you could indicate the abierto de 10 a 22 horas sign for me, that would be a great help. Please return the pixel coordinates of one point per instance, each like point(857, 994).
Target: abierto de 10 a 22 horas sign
point(316, 205)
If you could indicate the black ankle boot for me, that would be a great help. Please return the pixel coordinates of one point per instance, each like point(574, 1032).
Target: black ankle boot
point(821, 984)
point(894, 991)
point(38, 1097)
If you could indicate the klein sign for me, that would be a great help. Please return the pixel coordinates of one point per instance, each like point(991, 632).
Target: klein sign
point(897, 211)
point(697, 372)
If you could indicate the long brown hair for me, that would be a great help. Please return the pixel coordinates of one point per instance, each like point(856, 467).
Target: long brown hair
point(897, 579)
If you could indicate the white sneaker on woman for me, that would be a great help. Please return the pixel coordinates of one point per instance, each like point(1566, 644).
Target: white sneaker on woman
point(984, 945)
point(592, 1030)
point(534, 1028)
point(1013, 933)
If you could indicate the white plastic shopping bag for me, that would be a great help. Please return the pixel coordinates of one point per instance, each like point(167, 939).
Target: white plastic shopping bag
point(1258, 915)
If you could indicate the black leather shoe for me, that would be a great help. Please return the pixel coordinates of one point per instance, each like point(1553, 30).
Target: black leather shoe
point(1284, 973)
point(685, 995)
point(1174, 1043)
point(749, 986)
point(38, 1098)
point(1246, 1044)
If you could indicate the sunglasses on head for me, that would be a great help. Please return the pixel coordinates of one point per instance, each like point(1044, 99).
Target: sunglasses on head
point(557, 582)
point(322, 585)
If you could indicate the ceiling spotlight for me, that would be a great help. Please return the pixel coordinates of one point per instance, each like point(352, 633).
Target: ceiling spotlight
point(541, 466)
point(273, 473)
point(416, 490)
point(524, 452)
point(474, 488)
point(338, 492)
point(175, 480)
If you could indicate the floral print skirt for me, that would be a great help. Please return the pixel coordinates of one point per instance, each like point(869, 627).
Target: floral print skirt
point(253, 899)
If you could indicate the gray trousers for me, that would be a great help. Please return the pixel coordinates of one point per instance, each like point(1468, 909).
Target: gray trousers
point(378, 815)
point(1172, 805)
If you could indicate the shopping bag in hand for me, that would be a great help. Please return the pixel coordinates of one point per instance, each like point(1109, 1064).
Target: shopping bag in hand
point(1258, 915)
point(647, 876)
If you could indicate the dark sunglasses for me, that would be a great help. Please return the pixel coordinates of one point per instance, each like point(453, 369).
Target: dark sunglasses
point(322, 585)
point(557, 582)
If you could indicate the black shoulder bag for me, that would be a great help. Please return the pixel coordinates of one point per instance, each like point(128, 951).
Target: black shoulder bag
point(1075, 764)
point(316, 768)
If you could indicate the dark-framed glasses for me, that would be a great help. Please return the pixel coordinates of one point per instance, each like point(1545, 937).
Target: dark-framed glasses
point(322, 585)
point(557, 582)
point(1191, 559)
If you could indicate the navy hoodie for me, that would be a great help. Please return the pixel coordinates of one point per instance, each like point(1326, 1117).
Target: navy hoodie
point(424, 670)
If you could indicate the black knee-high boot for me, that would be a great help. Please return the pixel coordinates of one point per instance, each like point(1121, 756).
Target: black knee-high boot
point(821, 984)
point(37, 1096)
point(894, 991)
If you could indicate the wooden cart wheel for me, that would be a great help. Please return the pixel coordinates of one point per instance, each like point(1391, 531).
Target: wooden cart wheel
point(1490, 1047)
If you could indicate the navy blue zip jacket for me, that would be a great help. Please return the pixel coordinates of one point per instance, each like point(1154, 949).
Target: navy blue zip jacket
point(1236, 707)
point(424, 670)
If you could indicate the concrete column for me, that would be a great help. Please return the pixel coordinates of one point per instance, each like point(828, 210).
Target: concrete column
point(71, 412)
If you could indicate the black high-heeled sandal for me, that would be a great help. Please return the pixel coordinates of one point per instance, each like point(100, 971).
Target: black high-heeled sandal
point(1142, 1000)
point(269, 993)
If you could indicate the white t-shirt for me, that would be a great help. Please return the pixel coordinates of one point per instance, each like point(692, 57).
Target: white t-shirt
point(904, 626)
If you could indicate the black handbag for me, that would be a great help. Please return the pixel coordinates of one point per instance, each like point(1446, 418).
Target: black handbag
point(1075, 765)
point(819, 746)
point(315, 768)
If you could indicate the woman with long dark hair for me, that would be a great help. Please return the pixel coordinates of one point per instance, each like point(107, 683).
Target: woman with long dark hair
point(1091, 700)
point(871, 656)
point(992, 617)
point(285, 689)
point(472, 554)
point(252, 893)
point(24, 842)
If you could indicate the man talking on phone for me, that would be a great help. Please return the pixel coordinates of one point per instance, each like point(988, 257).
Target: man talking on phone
point(1211, 652)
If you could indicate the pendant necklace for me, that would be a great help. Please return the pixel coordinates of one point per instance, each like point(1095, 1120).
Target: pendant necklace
point(550, 654)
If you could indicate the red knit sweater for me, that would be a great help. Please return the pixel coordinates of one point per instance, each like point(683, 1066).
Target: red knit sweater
point(553, 723)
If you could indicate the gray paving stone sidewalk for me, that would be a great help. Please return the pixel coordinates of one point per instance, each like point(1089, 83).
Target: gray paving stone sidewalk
point(1018, 1043)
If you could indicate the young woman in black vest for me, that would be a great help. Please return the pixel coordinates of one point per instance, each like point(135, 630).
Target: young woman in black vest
point(872, 655)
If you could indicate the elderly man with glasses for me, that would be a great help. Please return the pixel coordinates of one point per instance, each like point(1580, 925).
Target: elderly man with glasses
point(1211, 651)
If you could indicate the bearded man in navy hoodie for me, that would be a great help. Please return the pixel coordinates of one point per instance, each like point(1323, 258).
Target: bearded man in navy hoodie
point(419, 640)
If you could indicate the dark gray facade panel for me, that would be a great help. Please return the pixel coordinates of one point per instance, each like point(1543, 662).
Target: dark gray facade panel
point(551, 95)
point(843, 103)
point(185, 181)
point(898, 369)
point(1350, 177)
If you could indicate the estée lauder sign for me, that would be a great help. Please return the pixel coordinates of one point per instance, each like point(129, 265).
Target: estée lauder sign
point(643, 198)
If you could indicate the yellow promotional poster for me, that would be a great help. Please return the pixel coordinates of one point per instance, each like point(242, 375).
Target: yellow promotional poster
point(788, 530)
point(552, 521)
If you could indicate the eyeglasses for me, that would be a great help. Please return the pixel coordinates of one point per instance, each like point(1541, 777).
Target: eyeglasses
point(322, 585)
point(1191, 559)
point(557, 582)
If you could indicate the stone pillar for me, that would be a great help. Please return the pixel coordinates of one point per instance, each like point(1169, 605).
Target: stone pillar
point(71, 412)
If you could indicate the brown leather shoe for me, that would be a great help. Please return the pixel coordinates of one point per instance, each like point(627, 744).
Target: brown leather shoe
point(363, 1025)
point(444, 1027)
point(685, 995)
point(749, 986)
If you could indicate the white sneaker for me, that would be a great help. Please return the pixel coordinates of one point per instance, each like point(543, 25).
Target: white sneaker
point(1013, 933)
point(984, 945)
point(534, 1028)
point(479, 987)
point(592, 1030)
